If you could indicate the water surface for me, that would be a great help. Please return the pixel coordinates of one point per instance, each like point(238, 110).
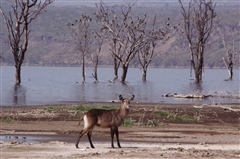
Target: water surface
point(59, 85)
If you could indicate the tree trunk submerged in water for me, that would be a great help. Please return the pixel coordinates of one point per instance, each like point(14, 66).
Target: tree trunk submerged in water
point(19, 58)
point(199, 68)
point(198, 75)
point(198, 23)
point(124, 72)
point(83, 70)
point(18, 75)
point(144, 75)
point(17, 22)
point(95, 71)
point(116, 66)
point(229, 67)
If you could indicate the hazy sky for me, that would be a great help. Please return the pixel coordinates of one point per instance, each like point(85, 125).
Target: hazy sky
point(73, 2)
point(139, 2)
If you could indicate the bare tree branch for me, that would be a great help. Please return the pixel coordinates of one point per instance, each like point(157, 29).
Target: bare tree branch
point(17, 22)
point(152, 36)
point(230, 52)
point(198, 23)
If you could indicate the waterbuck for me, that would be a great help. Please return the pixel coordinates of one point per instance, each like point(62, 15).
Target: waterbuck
point(105, 118)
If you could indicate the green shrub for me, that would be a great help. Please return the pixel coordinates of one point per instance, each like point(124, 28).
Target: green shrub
point(164, 114)
point(87, 108)
point(183, 118)
point(8, 120)
point(128, 122)
point(53, 109)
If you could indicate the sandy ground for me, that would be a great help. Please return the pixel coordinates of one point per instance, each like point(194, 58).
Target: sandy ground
point(217, 137)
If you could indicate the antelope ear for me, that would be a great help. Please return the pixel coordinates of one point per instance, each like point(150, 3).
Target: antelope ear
point(132, 97)
point(120, 97)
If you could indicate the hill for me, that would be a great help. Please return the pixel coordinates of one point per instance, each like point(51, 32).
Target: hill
point(51, 44)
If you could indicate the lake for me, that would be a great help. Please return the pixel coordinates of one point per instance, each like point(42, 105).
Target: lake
point(61, 85)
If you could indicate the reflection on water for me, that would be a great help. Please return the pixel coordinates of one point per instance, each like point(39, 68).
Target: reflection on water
point(58, 85)
point(26, 138)
point(19, 95)
point(196, 87)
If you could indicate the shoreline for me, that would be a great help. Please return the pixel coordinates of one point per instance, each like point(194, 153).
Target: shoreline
point(51, 131)
point(117, 102)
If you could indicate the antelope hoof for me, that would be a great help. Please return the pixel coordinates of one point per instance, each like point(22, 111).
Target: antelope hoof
point(76, 146)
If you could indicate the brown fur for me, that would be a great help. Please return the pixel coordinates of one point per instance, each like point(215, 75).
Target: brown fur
point(105, 118)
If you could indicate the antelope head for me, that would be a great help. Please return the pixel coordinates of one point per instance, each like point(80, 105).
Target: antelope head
point(125, 101)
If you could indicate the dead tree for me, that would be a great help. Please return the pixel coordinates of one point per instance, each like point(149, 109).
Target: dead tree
point(112, 29)
point(133, 40)
point(124, 32)
point(153, 36)
point(229, 61)
point(82, 34)
point(95, 53)
point(198, 23)
point(88, 41)
point(17, 22)
point(230, 51)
